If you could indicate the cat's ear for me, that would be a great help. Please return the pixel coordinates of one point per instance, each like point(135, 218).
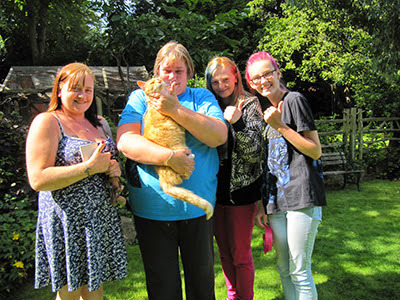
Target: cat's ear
point(141, 84)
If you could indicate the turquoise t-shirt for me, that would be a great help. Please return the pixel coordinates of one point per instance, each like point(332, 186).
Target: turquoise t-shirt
point(148, 200)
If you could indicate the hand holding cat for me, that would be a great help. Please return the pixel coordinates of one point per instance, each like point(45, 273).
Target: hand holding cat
point(165, 102)
point(182, 162)
point(114, 169)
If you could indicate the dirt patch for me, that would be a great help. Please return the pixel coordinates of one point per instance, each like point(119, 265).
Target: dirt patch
point(128, 228)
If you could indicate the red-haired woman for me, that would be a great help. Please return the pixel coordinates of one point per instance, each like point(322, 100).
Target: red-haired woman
point(239, 176)
point(79, 240)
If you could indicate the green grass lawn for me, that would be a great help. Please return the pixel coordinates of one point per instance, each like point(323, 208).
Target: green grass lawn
point(356, 255)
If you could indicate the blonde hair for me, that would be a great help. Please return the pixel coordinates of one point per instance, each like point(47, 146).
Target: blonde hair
point(170, 52)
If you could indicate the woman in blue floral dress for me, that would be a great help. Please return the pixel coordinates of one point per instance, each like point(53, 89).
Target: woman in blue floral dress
point(79, 240)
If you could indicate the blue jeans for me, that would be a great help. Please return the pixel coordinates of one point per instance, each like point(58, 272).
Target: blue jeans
point(294, 236)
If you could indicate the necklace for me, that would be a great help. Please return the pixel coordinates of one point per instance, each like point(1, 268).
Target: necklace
point(82, 126)
point(78, 123)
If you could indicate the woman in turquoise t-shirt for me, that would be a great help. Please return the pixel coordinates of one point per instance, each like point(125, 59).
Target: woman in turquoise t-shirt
point(166, 226)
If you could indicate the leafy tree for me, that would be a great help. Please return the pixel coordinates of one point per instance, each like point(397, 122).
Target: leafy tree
point(380, 18)
point(71, 26)
point(131, 32)
point(45, 32)
point(206, 28)
point(32, 16)
point(326, 53)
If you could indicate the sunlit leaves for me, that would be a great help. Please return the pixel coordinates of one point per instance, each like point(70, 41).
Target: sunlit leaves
point(341, 44)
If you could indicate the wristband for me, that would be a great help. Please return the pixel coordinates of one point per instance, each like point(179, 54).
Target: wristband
point(87, 169)
point(172, 154)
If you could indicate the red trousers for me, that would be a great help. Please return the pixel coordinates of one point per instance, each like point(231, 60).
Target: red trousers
point(233, 229)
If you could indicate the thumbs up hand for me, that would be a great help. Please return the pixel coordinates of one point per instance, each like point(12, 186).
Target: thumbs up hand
point(273, 116)
point(232, 113)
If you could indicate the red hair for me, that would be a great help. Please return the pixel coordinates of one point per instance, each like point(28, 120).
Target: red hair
point(73, 73)
point(222, 61)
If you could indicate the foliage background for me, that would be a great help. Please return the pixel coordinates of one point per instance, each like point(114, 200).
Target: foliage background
point(18, 207)
point(339, 53)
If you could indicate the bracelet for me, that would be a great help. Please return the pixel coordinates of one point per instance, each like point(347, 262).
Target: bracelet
point(87, 169)
point(172, 154)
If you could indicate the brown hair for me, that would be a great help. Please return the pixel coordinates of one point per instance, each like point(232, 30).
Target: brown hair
point(73, 72)
point(222, 61)
point(172, 51)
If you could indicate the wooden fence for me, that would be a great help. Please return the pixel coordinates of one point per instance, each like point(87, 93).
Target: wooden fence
point(355, 135)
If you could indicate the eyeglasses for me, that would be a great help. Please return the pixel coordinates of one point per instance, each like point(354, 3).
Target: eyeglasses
point(266, 75)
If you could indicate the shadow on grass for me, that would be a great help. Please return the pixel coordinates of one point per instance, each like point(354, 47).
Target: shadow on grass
point(357, 251)
point(356, 254)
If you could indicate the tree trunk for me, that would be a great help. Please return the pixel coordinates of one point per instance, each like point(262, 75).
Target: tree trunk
point(32, 21)
point(37, 12)
point(118, 57)
point(42, 27)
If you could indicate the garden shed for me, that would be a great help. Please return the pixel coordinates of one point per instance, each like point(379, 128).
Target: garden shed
point(27, 89)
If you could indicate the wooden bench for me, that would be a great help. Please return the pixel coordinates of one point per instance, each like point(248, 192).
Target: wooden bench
point(335, 163)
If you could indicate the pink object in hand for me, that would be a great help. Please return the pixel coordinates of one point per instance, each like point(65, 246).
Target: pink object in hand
point(267, 239)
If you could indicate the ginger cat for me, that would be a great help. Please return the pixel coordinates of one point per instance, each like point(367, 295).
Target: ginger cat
point(165, 132)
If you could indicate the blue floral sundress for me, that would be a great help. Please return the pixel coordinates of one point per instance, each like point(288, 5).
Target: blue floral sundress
point(79, 238)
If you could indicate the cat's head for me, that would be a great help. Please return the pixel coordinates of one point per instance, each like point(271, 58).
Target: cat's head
point(153, 85)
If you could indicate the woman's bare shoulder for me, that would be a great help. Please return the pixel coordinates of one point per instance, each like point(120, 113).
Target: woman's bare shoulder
point(45, 123)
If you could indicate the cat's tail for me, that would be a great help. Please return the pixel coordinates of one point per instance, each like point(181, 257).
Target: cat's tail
point(188, 196)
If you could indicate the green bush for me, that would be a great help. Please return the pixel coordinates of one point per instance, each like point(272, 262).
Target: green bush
point(383, 162)
point(18, 207)
point(329, 127)
point(393, 167)
point(197, 82)
point(17, 241)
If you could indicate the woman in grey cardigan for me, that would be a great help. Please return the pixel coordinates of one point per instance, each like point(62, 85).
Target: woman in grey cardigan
point(239, 177)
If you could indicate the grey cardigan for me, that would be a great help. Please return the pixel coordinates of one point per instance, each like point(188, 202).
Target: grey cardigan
point(241, 156)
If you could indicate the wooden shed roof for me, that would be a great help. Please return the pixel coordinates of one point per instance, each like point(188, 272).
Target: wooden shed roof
point(39, 79)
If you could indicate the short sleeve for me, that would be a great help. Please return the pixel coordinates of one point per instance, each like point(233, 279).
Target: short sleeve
point(205, 103)
point(296, 112)
point(134, 109)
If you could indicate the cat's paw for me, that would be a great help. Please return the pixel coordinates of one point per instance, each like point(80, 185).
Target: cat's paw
point(209, 210)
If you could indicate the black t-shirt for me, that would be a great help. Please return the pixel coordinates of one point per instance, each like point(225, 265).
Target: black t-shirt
point(293, 180)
